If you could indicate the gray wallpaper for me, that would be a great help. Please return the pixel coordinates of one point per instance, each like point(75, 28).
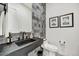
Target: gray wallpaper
point(39, 19)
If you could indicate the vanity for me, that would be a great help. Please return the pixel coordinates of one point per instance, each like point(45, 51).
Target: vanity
point(18, 22)
point(17, 49)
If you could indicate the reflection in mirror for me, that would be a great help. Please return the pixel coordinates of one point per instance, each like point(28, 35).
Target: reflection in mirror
point(3, 11)
point(1, 17)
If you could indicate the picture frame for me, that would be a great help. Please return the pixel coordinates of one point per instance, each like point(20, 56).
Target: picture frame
point(66, 20)
point(54, 22)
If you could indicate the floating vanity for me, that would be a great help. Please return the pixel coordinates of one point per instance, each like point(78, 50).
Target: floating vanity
point(14, 49)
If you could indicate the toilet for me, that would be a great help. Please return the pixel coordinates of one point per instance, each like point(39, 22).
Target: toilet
point(49, 49)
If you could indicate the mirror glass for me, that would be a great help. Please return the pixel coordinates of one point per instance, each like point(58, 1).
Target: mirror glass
point(19, 17)
point(3, 18)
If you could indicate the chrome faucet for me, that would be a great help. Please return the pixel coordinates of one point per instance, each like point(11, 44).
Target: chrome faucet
point(23, 34)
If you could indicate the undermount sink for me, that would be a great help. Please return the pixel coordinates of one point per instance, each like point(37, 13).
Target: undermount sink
point(22, 42)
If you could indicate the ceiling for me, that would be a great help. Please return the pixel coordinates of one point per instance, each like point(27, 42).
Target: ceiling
point(27, 5)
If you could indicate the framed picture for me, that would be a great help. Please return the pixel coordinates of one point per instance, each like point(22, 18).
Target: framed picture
point(66, 20)
point(53, 22)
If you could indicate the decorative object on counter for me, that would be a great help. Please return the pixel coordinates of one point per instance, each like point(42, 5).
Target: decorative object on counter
point(54, 22)
point(66, 20)
point(9, 38)
point(31, 35)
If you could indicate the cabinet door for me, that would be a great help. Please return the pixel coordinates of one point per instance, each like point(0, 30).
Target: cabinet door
point(45, 52)
point(34, 52)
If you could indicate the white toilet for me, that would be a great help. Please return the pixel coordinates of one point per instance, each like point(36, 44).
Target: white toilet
point(49, 49)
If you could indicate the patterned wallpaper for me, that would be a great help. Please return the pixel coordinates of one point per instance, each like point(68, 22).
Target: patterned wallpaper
point(39, 20)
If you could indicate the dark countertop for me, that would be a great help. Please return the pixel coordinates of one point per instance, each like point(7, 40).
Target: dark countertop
point(13, 48)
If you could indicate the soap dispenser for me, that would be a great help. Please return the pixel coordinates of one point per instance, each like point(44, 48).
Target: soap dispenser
point(9, 38)
point(31, 35)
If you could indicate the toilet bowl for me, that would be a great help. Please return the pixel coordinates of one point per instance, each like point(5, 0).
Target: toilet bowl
point(49, 49)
